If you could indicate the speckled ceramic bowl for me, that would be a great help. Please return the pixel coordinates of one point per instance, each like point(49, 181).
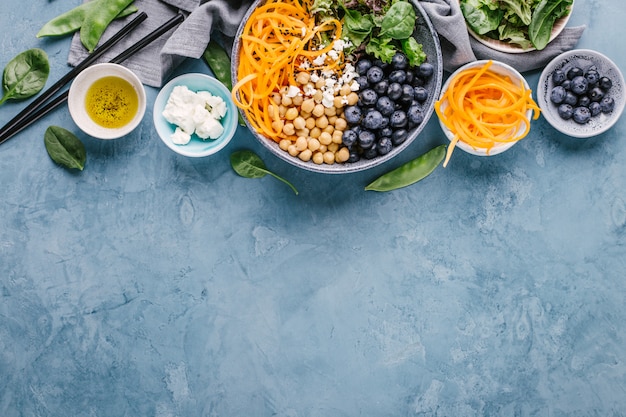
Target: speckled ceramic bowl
point(424, 34)
point(584, 59)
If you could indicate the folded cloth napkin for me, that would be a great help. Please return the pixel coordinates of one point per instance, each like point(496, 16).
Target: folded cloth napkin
point(459, 48)
point(154, 63)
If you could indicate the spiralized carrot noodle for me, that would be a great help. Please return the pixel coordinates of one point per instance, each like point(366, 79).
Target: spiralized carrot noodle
point(277, 38)
point(484, 109)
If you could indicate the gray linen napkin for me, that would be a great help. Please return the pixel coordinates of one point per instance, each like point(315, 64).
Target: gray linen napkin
point(459, 48)
point(154, 63)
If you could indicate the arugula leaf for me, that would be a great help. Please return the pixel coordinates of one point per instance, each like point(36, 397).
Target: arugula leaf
point(413, 51)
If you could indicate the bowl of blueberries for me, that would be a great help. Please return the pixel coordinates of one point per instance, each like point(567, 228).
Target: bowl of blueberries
point(581, 93)
point(387, 108)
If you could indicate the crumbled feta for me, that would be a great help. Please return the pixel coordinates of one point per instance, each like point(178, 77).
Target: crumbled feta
point(293, 91)
point(320, 60)
point(192, 112)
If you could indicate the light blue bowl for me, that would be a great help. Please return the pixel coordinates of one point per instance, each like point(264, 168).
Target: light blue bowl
point(197, 147)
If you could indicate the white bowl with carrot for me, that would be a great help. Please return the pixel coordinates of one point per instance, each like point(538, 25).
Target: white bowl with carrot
point(485, 108)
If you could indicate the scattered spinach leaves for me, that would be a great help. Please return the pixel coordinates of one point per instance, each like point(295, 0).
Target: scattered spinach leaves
point(249, 165)
point(65, 148)
point(25, 75)
point(410, 172)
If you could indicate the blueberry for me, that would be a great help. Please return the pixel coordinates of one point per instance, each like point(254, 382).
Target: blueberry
point(399, 136)
point(567, 84)
point(607, 104)
point(574, 72)
point(349, 137)
point(570, 98)
point(426, 70)
point(368, 97)
point(557, 94)
point(362, 66)
point(592, 76)
point(558, 76)
point(384, 105)
point(399, 61)
point(354, 156)
point(384, 145)
point(397, 76)
point(352, 114)
point(407, 94)
point(605, 83)
point(373, 120)
point(362, 81)
point(371, 152)
point(394, 92)
point(565, 111)
point(581, 115)
point(385, 131)
point(596, 94)
point(421, 94)
point(409, 77)
point(579, 85)
point(381, 87)
point(417, 81)
point(366, 139)
point(415, 115)
point(583, 101)
point(398, 119)
point(374, 75)
point(595, 108)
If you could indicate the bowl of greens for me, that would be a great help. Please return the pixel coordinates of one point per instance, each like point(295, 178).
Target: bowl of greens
point(515, 26)
point(332, 88)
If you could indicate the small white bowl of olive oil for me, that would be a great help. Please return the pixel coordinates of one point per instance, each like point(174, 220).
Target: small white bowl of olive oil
point(107, 101)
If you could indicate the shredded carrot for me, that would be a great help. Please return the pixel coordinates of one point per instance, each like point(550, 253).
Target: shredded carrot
point(277, 38)
point(485, 109)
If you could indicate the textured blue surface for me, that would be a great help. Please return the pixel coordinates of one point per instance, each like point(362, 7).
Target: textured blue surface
point(151, 284)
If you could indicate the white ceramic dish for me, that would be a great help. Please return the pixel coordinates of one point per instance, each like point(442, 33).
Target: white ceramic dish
point(77, 95)
point(197, 147)
point(502, 46)
point(583, 58)
point(498, 68)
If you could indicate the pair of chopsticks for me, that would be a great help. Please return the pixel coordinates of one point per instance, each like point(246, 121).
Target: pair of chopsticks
point(38, 108)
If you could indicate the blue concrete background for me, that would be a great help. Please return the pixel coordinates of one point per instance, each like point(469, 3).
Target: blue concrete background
point(151, 284)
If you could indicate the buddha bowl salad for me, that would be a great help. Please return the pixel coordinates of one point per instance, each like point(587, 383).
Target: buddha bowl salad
point(332, 81)
point(524, 23)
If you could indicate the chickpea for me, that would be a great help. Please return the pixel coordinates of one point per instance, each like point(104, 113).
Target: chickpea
point(333, 147)
point(303, 132)
point(329, 158)
point(337, 136)
point(318, 158)
point(338, 102)
point(292, 150)
point(318, 96)
point(318, 110)
point(345, 90)
point(320, 83)
point(313, 144)
point(276, 98)
point(286, 101)
point(310, 123)
point(315, 132)
point(330, 111)
point(352, 98)
point(291, 114)
point(325, 138)
point(278, 125)
point(323, 148)
point(321, 122)
point(288, 129)
point(297, 100)
point(332, 119)
point(305, 115)
point(303, 77)
point(305, 155)
point(284, 144)
point(301, 143)
point(341, 124)
point(282, 110)
point(342, 155)
point(299, 122)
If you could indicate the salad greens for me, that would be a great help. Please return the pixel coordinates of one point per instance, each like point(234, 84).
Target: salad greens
point(526, 23)
point(377, 27)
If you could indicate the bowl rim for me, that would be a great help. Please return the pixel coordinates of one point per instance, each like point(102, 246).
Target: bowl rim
point(78, 90)
point(543, 91)
point(362, 165)
point(501, 146)
point(230, 122)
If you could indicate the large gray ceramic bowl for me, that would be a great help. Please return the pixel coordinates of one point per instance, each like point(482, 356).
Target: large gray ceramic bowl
point(424, 34)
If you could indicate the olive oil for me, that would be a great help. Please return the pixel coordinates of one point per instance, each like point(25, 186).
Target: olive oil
point(111, 102)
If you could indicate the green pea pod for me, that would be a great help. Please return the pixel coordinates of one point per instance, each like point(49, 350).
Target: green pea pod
point(71, 21)
point(411, 172)
point(98, 19)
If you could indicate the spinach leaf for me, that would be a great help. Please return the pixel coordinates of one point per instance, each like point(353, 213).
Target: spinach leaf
point(481, 17)
point(542, 22)
point(65, 148)
point(249, 165)
point(411, 172)
point(399, 21)
point(25, 75)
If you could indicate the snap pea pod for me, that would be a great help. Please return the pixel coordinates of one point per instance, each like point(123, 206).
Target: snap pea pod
point(71, 21)
point(98, 19)
point(411, 172)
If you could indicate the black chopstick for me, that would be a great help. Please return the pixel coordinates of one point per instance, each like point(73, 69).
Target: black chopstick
point(7, 130)
point(62, 98)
